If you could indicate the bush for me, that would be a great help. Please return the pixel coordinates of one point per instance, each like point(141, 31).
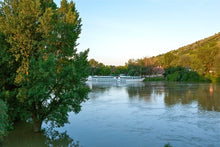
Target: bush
point(154, 79)
point(182, 74)
point(174, 77)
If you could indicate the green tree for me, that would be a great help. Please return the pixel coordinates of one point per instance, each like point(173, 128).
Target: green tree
point(149, 64)
point(93, 66)
point(207, 56)
point(168, 59)
point(8, 89)
point(135, 67)
point(184, 61)
point(106, 70)
point(50, 75)
point(3, 120)
point(120, 70)
point(97, 68)
point(217, 68)
point(183, 74)
point(197, 65)
point(217, 64)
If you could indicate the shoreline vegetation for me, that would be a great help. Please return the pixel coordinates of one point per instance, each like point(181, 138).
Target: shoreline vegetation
point(180, 74)
point(43, 75)
point(196, 62)
point(177, 74)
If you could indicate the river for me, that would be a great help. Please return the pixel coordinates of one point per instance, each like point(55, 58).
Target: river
point(136, 115)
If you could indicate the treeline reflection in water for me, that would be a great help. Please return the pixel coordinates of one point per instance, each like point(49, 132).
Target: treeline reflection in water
point(139, 107)
point(207, 95)
point(23, 136)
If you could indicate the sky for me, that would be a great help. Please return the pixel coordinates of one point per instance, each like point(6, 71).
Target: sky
point(118, 30)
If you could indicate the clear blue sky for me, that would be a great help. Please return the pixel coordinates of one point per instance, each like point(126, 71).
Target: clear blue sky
point(118, 30)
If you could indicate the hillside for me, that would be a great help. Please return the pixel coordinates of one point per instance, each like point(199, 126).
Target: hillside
point(201, 56)
point(213, 41)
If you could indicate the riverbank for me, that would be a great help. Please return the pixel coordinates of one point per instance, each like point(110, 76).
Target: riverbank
point(180, 74)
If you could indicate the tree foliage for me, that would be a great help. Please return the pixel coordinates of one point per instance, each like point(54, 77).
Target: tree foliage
point(49, 74)
point(196, 60)
point(200, 57)
point(97, 68)
point(3, 120)
point(8, 89)
point(183, 74)
point(217, 64)
point(144, 66)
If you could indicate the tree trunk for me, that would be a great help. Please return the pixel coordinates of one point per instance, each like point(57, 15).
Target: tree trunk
point(36, 124)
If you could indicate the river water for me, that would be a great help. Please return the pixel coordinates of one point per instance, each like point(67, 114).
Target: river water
point(136, 115)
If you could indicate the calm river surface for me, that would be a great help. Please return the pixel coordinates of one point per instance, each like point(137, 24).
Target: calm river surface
point(136, 115)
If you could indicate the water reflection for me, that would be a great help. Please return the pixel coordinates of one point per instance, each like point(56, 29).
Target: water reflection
point(206, 95)
point(209, 98)
point(24, 136)
point(97, 89)
point(136, 114)
point(55, 138)
point(145, 91)
point(157, 112)
point(180, 93)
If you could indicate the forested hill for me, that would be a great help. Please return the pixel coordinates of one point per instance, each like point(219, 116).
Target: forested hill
point(207, 43)
point(202, 56)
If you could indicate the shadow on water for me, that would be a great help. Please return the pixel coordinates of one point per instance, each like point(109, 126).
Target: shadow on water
point(23, 136)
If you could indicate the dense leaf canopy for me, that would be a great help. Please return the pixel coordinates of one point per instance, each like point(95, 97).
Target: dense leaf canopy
point(45, 68)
